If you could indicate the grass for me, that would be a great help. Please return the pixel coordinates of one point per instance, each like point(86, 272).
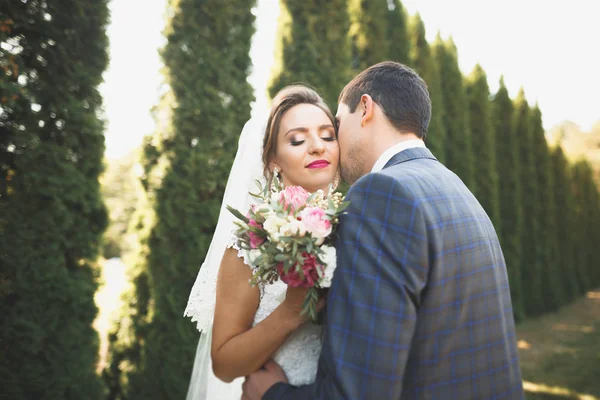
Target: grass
point(560, 352)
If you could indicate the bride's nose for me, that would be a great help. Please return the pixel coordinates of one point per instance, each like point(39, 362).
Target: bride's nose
point(316, 146)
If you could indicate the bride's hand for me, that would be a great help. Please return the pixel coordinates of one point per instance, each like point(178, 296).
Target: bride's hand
point(294, 299)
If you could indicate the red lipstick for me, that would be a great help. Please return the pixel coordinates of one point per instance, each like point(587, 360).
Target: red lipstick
point(318, 164)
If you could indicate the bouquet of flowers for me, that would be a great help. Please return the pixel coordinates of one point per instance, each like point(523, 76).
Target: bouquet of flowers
point(289, 235)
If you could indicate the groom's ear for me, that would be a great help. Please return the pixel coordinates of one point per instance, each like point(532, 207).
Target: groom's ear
point(366, 108)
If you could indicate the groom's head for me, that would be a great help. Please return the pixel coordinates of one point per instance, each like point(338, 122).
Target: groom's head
point(384, 102)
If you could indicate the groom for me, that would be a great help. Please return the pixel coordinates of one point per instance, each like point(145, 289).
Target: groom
point(419, 307)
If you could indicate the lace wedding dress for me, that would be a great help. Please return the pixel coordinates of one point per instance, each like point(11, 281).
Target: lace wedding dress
point(299, 354)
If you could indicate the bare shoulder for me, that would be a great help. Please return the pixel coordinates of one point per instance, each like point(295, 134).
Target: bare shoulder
point(233, 267)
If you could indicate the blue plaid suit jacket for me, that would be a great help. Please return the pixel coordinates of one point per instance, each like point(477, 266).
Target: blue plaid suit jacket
point(419, 306)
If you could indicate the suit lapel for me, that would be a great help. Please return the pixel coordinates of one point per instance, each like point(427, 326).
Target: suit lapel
point(410, 154)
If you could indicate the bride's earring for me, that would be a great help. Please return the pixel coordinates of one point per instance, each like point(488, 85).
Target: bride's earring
point(336, 180)
point(275, 180)
point(277, 174)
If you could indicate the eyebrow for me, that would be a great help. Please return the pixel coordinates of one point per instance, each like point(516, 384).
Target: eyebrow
point(303, 129)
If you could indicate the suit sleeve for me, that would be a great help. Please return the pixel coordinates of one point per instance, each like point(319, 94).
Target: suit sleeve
point(373, 301)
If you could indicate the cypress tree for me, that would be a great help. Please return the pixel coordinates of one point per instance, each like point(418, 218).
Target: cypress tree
point(586, 209)
point(594, 223)
point(313, 47)
point(579, 227)
point(483, 144)
point(51, 212)
point(594, 226)
point(459, 153)
point(552, 284)
point(511, 213)
point(186, 163)
point(399, 43)
point(566, 225)
point(530, 260)
point(368, 32)
point(422, 61)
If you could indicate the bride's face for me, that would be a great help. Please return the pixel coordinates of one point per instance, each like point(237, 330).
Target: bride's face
point(307, 151)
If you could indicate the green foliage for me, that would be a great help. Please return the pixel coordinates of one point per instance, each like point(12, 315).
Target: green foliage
point(368, 32)
point(51, 211)
point(546, 214)
point(459, 154)
point(399, 43)
point(530, 198)
point(313, 47)
point(585, 232)
point(483, 144)
point(566, 225)
point(422, 61)
point(186, 166)
point(509, 186)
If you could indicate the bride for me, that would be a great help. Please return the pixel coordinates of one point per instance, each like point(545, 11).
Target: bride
point(242, 326)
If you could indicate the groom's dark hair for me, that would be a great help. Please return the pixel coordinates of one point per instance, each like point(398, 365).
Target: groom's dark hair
point(398, 90)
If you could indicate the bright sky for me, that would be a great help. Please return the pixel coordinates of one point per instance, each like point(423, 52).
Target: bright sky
point(546, 47)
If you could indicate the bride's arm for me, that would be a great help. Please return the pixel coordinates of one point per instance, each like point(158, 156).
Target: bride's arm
point(238, 348)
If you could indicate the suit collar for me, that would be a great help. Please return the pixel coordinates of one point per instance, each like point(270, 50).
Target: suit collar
point(410, 154)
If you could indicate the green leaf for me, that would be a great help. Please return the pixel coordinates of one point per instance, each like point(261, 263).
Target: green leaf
point(237, 214)
point(256, 195)
point(342, 207)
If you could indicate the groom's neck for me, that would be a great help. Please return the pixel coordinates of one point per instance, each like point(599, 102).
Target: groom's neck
point(385, 139)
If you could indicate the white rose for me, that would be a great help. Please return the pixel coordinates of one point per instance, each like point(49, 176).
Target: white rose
point(272, 225)
point(293, 227)
point(330, 259)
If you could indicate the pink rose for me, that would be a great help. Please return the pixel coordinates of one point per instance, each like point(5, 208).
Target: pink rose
point(293, 197)
point(310, 269)
point(255, 239)
point(316, 223)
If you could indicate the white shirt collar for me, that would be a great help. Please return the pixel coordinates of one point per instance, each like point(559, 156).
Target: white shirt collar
point(392, 151)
